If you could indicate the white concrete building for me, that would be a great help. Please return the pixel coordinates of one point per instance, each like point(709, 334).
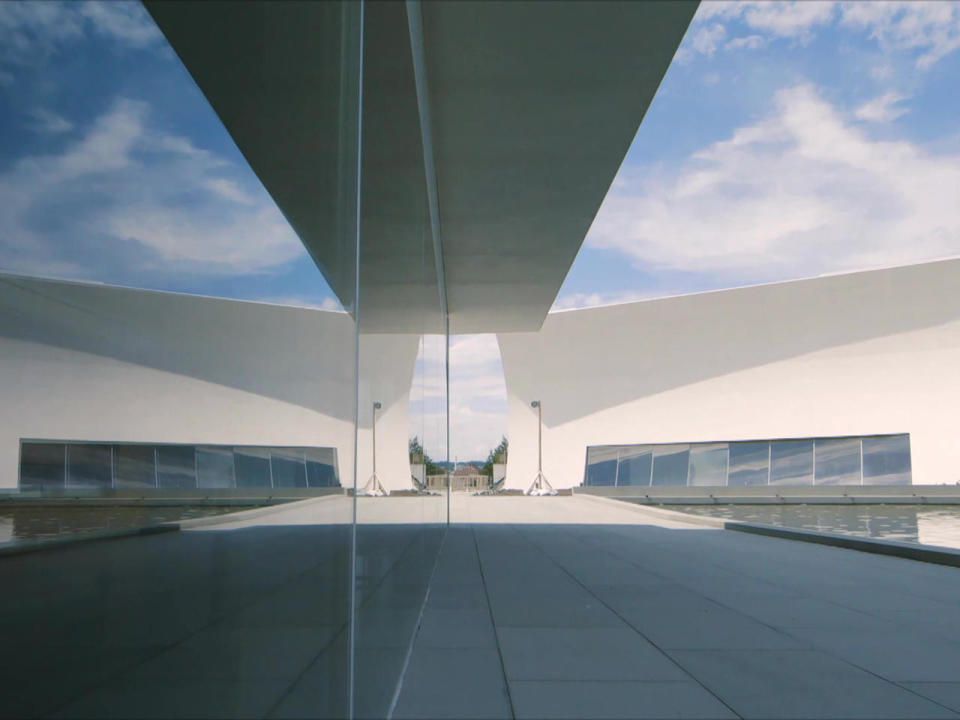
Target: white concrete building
point(89, 363)
point(859, 354)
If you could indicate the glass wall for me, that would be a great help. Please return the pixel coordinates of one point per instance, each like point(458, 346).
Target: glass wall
point(869, 460)
point(403, 324)
point(191, 174)
point(50, 466)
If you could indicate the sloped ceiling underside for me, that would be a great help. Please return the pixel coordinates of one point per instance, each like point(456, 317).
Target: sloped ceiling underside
point(533, 106)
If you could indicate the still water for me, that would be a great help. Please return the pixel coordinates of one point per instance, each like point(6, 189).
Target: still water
point(904, 523)
point(17, 524)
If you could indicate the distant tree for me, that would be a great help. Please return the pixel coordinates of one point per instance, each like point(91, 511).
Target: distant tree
point(418, 456)
point(497, 455)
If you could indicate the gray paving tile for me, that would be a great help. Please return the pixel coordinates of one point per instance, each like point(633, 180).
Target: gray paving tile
point(445, 596)
point(790, 611)
point(321, 691)
point(583, 654)
point(558, 605)
point(897, 653)
point(453, 683)
point(801, 684)
point(158, 698)
point(560, 700)
point(945, 693)
point(677, 618)
point(230, 653)
point(456, 629)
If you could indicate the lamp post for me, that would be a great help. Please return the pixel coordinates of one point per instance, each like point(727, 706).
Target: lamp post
point(541, 485)
point(373, 486)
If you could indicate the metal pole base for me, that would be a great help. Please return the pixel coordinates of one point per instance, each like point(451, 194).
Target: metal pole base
point(374, 487)
point(541, 486)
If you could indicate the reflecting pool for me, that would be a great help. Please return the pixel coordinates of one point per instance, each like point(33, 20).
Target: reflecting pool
point(904, 523)
point(23, 523)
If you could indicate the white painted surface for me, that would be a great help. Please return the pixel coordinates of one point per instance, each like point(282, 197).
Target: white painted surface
point(856, 354)
point(464, 508)
point(93, 362)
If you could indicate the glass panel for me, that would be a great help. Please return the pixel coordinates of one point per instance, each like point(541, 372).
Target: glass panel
point(791, 462)
point(748, 463)
point(670, 464)
point(288, 471)
point(708, 464)
point(886, 460)
point(837, 461)
point(88, 466)
point(134, 467)
point(634, 466)
point(41, 466)
point(176, 467)
point(252, 468)
point(601, 466)
point(214, 468)
point(121, 178)
point(321, 467)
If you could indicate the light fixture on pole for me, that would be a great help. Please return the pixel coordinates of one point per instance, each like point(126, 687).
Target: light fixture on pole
point(373, 486)
point(540, 484)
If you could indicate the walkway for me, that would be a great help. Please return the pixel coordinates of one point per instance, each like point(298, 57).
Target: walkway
point(538, 607)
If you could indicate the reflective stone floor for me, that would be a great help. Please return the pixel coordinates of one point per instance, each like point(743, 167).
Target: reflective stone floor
point(522, 619)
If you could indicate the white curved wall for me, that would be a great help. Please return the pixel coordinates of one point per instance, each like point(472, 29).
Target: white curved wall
point(855, 354)
point(100, 363)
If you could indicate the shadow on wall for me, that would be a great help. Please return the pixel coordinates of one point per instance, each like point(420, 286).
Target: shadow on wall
point(625, 352)
point(301, 356)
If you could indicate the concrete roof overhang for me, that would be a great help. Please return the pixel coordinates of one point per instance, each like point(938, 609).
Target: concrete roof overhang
point(532, 106)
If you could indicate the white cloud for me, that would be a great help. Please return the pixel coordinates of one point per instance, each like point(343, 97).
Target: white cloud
point(329, 304)
point(34, 29)
point(140, 192)
point(795, 19)
point(747, 42)
point(126, 22)
point(48, 122)
point(228, 189)
point(933, 28)
point(882, 108)
point(800, 192)
point(930, 28)
point(478, 397)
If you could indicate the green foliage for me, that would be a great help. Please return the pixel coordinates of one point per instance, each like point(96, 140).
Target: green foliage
point(497, 455)
point(417, 456)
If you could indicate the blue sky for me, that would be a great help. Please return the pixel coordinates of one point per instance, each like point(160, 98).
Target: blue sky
point(786, 140)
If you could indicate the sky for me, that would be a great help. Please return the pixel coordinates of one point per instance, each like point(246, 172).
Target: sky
point(786, 140)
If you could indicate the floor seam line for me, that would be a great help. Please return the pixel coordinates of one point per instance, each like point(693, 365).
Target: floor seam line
point(416, 630)
point(493, 622)
point(632, 627)
point(166, 648)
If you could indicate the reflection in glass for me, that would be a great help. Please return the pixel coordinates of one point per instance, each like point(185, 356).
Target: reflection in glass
point(288, 471)
point(89, 466)
point(41, 466)
point(252, 467)
point(176, 467)
point(670, 465)
point(749, 463)
point(837, 461)
point(635, 466)
point(791, 462)
point(134, 467)
point(602, 466)
point(321, 467)
point(886, 460)
point(214, 468)
point(708, 464)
